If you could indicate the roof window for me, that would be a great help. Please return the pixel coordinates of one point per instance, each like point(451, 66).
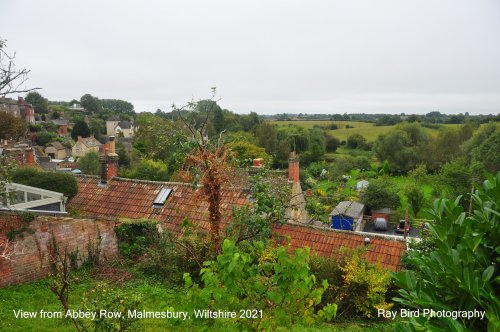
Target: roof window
point(162, 197)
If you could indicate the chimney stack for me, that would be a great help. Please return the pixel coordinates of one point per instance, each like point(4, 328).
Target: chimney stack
point(104, 169)
point(112, 158)
point(30, 157)
point(293, 168)
point(109, 161)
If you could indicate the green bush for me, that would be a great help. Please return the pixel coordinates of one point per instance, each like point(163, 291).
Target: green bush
point(162, 254)
point(147, 169)
point(134, 238)
point(104, 297)
point(59, 182)
point(43, 138)
point(460, 272)
point(357, 286)
point(89, 164)
point(380, 194)
point(275, 286)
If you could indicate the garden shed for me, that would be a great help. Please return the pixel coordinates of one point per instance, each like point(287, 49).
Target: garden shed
point(347, 215)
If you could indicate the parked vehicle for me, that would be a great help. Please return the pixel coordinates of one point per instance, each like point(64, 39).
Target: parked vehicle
point(380, 224)
point(400, 227)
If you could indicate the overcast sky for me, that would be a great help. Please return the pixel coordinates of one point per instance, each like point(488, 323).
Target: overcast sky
point(264, 56)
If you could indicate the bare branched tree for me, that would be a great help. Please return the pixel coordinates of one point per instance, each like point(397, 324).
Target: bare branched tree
point(12, 79)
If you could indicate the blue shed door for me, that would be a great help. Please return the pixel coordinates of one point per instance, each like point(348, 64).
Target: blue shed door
point(342, 222)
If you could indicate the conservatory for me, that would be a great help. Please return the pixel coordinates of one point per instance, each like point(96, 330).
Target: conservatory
point(21, 197)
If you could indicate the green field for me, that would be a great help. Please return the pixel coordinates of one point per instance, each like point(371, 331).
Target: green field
point(366, 129)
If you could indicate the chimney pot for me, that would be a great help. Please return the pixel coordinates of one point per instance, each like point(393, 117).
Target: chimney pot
point(293, 168)
point(112, 148)
point(258, 162)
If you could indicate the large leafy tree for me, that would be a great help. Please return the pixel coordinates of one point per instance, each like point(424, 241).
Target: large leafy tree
point(455, 179)
point(356, 141)
point(219, 124)
point(381, 194)
point(161, 139)
point(117, 106)
point(38, 101)
point(484, 146)
point(89, 164)
point(267, 137)
point(446, 146)
point(147, 169)
point(403, 147)
point(415, 197)
point(80, 129)
point(11, 127)
point(90, 103)
point(461, 273)
point(244, 152)
point(331, 143)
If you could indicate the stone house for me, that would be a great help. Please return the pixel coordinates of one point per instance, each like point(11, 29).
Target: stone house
point(85, 145)
point(115, 127)
point(56, 151)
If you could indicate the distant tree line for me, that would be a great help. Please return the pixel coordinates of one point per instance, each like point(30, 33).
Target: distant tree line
point(434, 117)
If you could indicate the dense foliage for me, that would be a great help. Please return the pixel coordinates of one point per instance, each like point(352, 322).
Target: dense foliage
point(89, 163)
point(147, 169)
point(80, 129)
point(58, 182)
point(11, 127)
point(380, 194)
point(403, 147)
point(462, 271)
point(358, 287)
point(275, 287)
point(39, 103)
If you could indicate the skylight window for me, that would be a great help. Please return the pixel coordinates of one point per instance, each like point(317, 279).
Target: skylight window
point(162, 197)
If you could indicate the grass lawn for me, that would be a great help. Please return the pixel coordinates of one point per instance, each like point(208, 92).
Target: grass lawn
point(155, 295)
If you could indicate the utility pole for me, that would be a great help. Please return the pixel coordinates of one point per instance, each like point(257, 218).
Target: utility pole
point(406, 223)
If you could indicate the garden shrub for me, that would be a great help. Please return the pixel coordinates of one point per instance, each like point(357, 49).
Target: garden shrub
point(58, 182)
point(458, 269)
point(104, 297)
point(162, 254)
point(134, 238)
point(365, 285)
point(357, 286)
point(263, 278)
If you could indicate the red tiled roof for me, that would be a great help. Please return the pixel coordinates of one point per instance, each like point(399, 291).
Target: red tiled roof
point(127, 198)
point(328, 242)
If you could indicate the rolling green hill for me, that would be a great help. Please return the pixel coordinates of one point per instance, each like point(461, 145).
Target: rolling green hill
point(366, 129)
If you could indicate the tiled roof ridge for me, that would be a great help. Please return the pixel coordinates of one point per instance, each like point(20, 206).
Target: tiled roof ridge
point(173, 183)
point(324, 229)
